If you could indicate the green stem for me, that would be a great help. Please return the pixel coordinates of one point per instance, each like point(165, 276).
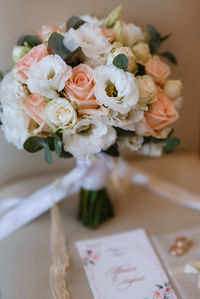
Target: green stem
point(94, 207)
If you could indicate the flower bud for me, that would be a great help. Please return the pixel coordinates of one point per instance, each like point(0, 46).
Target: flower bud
point(173, 88)
point(18, 52)
point(126, 51)
point(142, 52)
point(119, 32)
point(147, 90)
point(114, 16)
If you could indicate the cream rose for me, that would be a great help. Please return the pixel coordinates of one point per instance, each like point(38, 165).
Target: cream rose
point(129, 54)
point(115, 88)
point(173, 88)
point(80, 87)
point(60, 114)
point(157, 69)
point(142, 52)
point(147, 90)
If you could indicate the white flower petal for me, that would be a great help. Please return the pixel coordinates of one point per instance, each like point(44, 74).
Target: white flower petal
point(48, 76)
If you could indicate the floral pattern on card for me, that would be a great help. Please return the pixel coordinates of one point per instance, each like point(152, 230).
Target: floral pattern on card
point(163, 291)
point(90, 257)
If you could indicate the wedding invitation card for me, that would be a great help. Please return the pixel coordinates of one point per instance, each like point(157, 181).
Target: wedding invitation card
point(124, 266)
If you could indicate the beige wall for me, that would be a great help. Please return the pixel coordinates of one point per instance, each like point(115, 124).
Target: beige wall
point(178, 16)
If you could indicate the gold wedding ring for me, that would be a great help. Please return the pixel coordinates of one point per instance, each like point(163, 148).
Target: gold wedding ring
point(181, 246)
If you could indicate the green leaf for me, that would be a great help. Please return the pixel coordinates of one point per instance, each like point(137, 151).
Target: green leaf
point(140, 70)
point(58, 146)
point(112, 150)
point(28, 41)
point(165, 37)
point(76, 57)
point(123, 133)
point(170, 144)
point(121, 61)
point(48, 155)
point(1, 76)
point(55, 44)
point(74, 22)
point(155, 38)
point(65, 155)
point(169, 56)
point(34, 144)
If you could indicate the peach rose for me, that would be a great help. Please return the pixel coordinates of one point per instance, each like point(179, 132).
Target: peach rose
point(23, 66)
point(159, 70)
point(80, 87)
point(161, 113)
point(108, 33)
point(35, 107)
point(46, 30)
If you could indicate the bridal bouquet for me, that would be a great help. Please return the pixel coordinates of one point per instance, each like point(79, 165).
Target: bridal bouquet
point(87, 87)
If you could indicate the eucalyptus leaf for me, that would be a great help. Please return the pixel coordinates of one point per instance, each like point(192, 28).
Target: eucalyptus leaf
point(169, 56)
point(48, 155)
point(34, 144)
point(121, 61)
point(28, 41)
point(170, 144)
point(55, 44)
point(155, 38)
point(74, 22)
point(112, 151)
point(76, 57)
point(58, 146)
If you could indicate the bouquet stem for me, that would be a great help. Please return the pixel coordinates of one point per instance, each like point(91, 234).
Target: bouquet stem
point(95, 207)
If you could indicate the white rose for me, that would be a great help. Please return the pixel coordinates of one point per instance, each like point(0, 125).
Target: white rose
point(48, 76)
point(132, 143)
point(132, 34)
point(115, 88)
point(173, 88)
point(125, 121)
point(15, 122)
point(142, 52)
point(94, 138)
point(147, 90)
point(151, 149)
point(126, 51)
point(178, 103)
point(93, 43)
point(92, 20)
point(60, 114)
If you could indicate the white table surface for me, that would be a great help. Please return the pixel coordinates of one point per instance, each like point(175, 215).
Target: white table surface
point(25, 256)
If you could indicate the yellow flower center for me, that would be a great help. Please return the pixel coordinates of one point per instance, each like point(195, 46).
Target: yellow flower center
point(111, 90)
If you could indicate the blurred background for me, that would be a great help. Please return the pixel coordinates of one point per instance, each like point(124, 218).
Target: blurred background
point(180, 17)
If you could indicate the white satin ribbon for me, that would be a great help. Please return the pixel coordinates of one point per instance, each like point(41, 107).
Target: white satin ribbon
point(93, 175)
point(192, 267)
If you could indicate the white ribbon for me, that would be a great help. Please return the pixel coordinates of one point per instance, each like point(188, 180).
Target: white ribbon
point(192, 267)
point(93, 175)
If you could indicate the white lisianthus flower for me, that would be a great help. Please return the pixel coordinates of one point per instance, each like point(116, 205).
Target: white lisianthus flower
point(125, 121)
point(15, 122)
point(11, 90)
point(151, 149)
point(131, 34)
point(147, 90)
point(96, 137)
point(126, 51)
point(92, 20)
point(48, 76)
point(115, 88)
point(93, 43)
point(60, 114)
point(132, 143)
